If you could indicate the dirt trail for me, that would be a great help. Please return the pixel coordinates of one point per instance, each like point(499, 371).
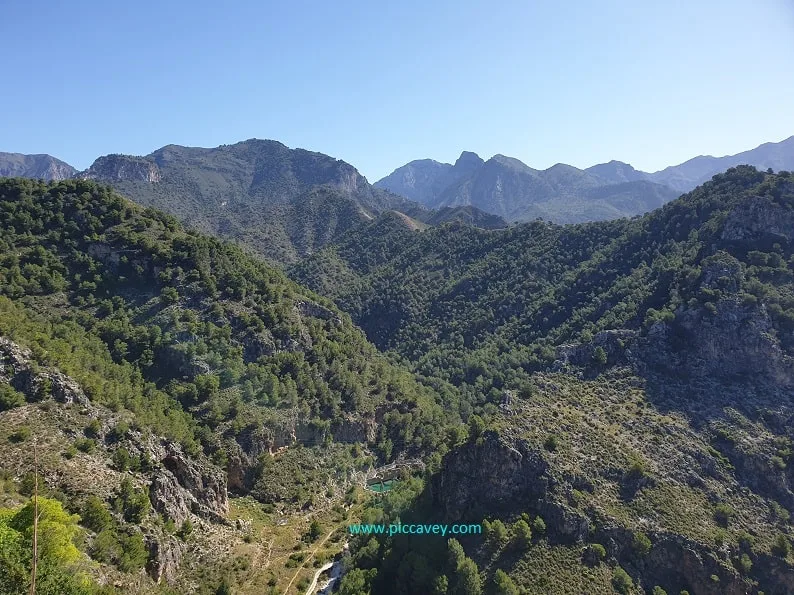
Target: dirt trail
point(307, 560)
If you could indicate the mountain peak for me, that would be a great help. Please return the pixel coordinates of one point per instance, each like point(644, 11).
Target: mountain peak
point(40, 166)
point(468, 160)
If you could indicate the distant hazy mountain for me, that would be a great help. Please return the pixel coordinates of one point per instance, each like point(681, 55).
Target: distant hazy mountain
point(509, 188)
point(282, 202)
point(617, 172)
point(425, 179)
point(688, 175)
point(506, 187)
point(44, 167)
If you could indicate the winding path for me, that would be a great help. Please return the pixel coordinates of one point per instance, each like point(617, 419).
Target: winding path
point(323, 568)
point(307, 560)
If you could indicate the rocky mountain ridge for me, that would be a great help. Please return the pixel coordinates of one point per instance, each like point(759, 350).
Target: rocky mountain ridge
point(564, 194)
point(41, 167)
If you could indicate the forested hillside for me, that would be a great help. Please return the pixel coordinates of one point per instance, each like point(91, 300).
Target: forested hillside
point(192, 342)
point(484, 308)
point(281, 203)
point(634, 382)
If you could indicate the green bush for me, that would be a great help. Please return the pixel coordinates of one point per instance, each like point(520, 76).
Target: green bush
point(642, 544)
point(122, 459)
point(95, 514)
point(539, 525)
point(21, 434)
point(503, 584)
point(93, 429)
point(522, 534)
point(723, 514)
point(10, 398)
point(599, 551)
point(134, 554)
point(781, 546)
point(744, 564)
point(599, 356)
point(86, 445)
point(133, 503)
point(621, 581)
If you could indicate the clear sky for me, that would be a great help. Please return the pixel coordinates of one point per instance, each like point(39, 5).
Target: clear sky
point(378, 84)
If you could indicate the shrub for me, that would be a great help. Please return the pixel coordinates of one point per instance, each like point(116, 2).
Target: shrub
point(723, 514)
point(476, 427)
point(135, 554)
point(744, 564)
point(657, 590)
point(118, 432)
point(21, 434)
point(133, 503)
point(599, 356)
point(503, 584)
point(522, 534)
point(93, 429)
point(598, 550)
point(781, 546)
point(642, 544)
point(539, 525)
point(95, 514)
point(185, 530)
point(637, 469)
point(10, 398)
point(86, 445)
point(621, 581)
point(121, 458)
point(498, 532)
point(551, 443)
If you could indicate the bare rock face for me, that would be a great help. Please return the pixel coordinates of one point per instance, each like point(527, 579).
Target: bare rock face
point(184, 485)
point(733, 343)
point(16, 368)
point(122, 168)
point(355, 430)
point(165, 556)
point(42, 167)
point(490, 475)
point(758, 219)
point(316, 311)
point(613, 342)
point(674, 561)
point(168, 497)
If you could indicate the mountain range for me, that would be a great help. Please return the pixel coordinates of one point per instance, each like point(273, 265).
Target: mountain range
point(42, 167)
point(564, 194)
point(285, 204)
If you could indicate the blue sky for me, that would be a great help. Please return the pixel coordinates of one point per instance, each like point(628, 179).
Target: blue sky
point(379, 84)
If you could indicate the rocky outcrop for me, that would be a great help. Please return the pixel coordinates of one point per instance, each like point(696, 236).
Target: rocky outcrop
point(735, 342)
point(613, 342)
point(674, 562)
point(122, 168)
point(490, 475)
point(185, 485)
point(165, 556)
point(351, 430)
point(759, 219)
point(17, 368)
point(316, 311)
